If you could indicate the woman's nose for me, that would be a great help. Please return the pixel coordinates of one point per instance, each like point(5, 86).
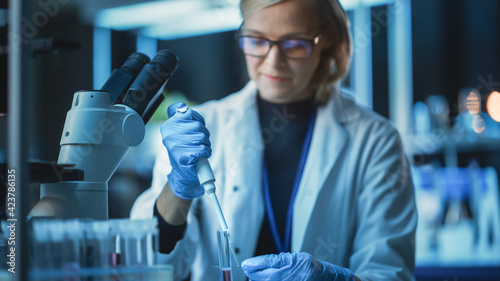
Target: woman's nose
point(274, 57)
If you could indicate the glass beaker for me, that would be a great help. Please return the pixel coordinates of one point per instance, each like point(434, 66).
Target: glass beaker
point(224, 255)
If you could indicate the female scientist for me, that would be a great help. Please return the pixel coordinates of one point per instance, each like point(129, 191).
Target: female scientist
point(313, 186)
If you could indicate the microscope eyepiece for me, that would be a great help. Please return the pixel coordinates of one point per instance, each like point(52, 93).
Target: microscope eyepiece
point(135, 63)
point(146, 88)
point(166, 59)
point(120, 79)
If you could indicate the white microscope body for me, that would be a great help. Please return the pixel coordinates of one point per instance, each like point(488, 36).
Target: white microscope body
point(96, 137)
point(99, 131)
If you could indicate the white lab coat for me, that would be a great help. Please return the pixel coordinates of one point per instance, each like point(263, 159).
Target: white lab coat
point(355, 203)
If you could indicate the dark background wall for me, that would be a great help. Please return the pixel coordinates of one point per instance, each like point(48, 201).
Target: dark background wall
point(455, 45)
point(210, 66)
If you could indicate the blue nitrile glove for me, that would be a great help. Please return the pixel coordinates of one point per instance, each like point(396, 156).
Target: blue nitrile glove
point(296, 266)
point(186, 138)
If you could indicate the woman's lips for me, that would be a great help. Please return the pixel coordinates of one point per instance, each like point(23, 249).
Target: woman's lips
point(275, 78)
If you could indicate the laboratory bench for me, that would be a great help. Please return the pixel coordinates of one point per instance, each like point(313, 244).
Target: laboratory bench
point(456, 273)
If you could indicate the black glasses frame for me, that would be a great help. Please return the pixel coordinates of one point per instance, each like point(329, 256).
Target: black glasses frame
point(279, 43)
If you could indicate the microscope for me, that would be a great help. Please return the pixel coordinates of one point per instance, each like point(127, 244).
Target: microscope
point(100, 128)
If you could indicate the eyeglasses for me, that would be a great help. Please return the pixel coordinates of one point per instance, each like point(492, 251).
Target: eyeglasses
point(256, 46)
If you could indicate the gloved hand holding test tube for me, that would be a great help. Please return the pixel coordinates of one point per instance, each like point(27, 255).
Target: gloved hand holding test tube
point(206, 179)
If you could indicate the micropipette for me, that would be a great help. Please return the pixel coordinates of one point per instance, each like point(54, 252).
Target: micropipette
point(207, 180)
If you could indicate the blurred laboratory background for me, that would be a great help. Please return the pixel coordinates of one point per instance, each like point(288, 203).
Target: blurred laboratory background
point(431, 66)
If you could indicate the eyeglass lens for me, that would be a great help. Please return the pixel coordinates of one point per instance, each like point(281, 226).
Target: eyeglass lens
point(291, 48)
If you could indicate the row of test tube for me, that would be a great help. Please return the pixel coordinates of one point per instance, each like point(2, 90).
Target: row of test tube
point(119, 249)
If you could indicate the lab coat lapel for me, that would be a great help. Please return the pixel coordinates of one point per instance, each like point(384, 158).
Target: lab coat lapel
point(323, 153)
point(243, 157)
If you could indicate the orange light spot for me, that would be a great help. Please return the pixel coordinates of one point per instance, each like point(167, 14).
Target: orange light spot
point(473, 104)
point(478, 124)
point(493, 106)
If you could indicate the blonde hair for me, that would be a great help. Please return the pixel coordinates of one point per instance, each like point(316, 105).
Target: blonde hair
point(334, 62)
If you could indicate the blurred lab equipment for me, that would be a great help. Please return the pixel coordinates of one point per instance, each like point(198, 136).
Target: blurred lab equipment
point(472, 121)
point(469, 107)
point(439, 112)
point(80, 250)
point(458, 227)
point(486, 206)
point(429, 208)
point(459, 215)
point(459, 207)
point(97, 134)
point(421, 119)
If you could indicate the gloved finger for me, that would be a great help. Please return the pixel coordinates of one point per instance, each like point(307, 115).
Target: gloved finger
point(172, 109)
point(267, 261)
point(189, 114)
point(181, 111)
point(194, 154)
point(199, 139)
point(254, 264)
point(190, 125)
point(182, 130)
point(270, 274)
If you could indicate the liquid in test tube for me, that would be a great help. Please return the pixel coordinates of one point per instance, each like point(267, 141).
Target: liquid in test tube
point(224, 255)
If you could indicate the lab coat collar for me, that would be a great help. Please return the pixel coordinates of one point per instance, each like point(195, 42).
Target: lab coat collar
point(244, 101)
point(342, 103)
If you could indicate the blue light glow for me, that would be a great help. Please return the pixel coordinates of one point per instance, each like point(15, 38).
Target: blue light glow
point(146, 14)
point(183, 18)
point(102, 56)
point(147, 45)
point(197, 23)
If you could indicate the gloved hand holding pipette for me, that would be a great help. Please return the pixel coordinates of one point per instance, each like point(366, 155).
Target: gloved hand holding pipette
point(187, 140)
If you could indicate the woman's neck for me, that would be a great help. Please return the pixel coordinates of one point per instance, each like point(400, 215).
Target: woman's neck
point(298, 107)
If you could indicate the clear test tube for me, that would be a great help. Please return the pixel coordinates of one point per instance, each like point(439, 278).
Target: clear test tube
point(115, 243)
point(97, 250)
point(65, 238)
point(139, 242)
point(149, 241)
point(115, 249)
point(133, 234)
point(224, 255)
point(131, 237)
point(71, 249)
point(40, 250)
point(56, 245)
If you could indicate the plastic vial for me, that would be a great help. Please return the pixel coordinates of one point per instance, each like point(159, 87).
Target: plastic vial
point(224, 255)
point(40, 250)
point(96, 250)
point(115, 243)
point(65, 236)
point(150, 241)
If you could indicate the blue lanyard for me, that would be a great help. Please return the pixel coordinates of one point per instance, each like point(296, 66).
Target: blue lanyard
point(284, 246)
